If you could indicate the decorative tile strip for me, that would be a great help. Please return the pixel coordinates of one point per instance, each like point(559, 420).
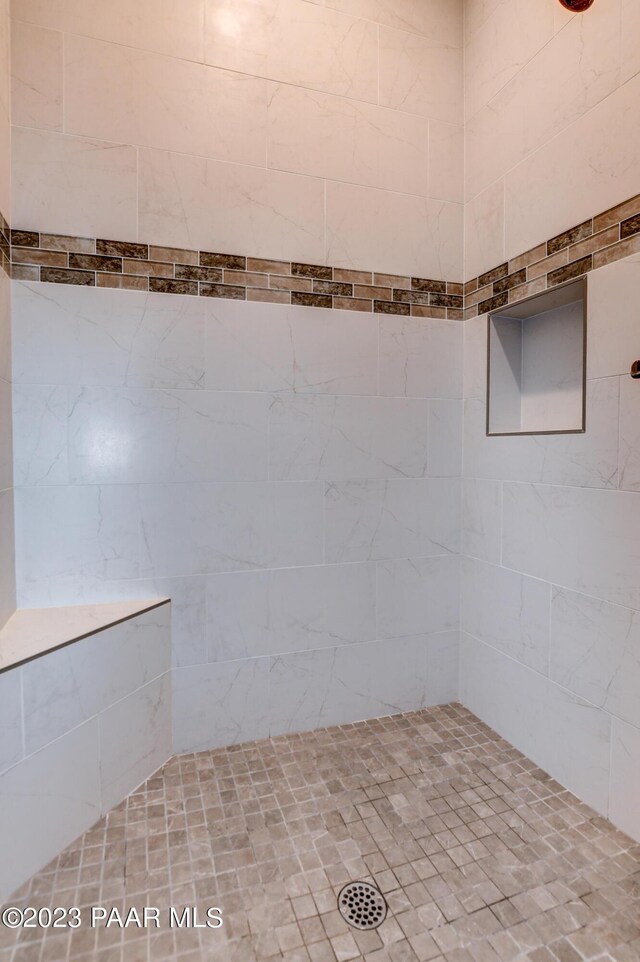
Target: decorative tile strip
point(5, 246)
point(101, 262)
point(593, 243)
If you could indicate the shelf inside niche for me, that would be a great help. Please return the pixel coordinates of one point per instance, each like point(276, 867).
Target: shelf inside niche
point(537, 364)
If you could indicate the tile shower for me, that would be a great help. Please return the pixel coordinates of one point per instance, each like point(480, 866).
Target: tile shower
point(248, 252)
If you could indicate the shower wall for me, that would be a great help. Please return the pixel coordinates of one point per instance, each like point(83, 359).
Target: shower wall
point(289, 476)
point(7, 574)
point(551, 525)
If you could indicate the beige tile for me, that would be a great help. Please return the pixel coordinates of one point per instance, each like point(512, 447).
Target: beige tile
point(421, 76)
point(36, 77)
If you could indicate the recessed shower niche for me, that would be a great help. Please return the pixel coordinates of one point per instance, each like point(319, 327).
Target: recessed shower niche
point(536, 363)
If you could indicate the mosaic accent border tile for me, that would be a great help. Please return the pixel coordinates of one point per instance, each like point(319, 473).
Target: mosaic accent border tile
point(96, 262)
point(598, 241)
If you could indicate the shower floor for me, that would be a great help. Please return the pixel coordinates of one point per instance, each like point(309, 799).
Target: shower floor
point(481, 856)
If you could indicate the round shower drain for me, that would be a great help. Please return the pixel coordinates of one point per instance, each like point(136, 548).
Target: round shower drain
point(362, 905)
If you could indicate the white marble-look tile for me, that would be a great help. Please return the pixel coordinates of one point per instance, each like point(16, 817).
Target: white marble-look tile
point(41, 417)
point(46, 802)
point(446, 161)
point(11, 739)
point(294, 42)
point(612, 321)
point(629, 434)
point(66, 687)
point(132, 96)
point(326, 136)
point(589, 459)
point(547, 95)
point(444, 458)
point(7, 556)
point(6, 433)
point(508, 611)
point(68, 536)
point(342, 438)
point(595, 650)
point(379, 520)
point(380, 230)
point(475, 357)
point(270, 347)
point(36, 76)
point(420, 357)
point(207, 204)
point(224, 703)
point(582, 538)
point(484, 230)
point(439, 19)
point(5, 326)
point(421, 76)
point(625, 778)
point(482, 519)
point(334, 686)
point(418, 595)
point(147, 24)
point(89, 337)
point(566, 736)
point(230, 526)
point(59, 184)
point(135, 740)
point(139, 435)
point(545, 195)
point(629, 54)
point(254, 613)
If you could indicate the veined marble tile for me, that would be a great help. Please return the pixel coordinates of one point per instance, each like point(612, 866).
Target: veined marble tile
point(347, 140)
point(336, 438)
point(142, 722)
point(294, 42)
point(563, 734)
point(224, 703)
point(482, 519)
point(270, 347)
point(209, 528)
point(420, 357)
point(380, 520)
point(36, 76)
point(205, 204)
point(338, 685)
point(60, 183)
point(148, 24)
point(109, 338)
point(508, 611)
point(39, 815)
point(130, 96)
point(475, 357)
point(371, 229)
point(10, 718)
point(629, 434)
point(630, 55)
point(7, 556)
point(439, 19)
point(66, 687)
point(625, 778)
point(595, 652)
point(418, 595)
point(421, 76)
point(139, 435)
point(444, 458)
point(6, 433)
point(613, 291)
point(587, 539)
point(589, 459)
point(289, 609)
point(446, 161)
point(5, 327)
point(484, 230)
point(68, 536)
point(41, 418)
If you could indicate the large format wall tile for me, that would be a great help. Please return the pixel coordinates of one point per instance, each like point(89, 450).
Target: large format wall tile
point(230, 527)
point(36, 77)
point(338, 438)
point(420, 357)
point(625, 777)
point(613, 292)
point(563, 734)
point(508, 611)
point(378, 520)
point(484, 230)
point(263, 213)
point(595, 650)
point(482, 519)
point(11, 736)
point(289, 609)
point(418, 595)
point(7, 556)
point(629, 435)
point(444, 458)
point(6, 432)
point(420, 75)
point(581, 538)
point(438, 19)
point(60, 183)
point(40, 417)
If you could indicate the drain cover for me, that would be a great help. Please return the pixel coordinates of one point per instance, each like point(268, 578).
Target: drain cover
point(362, 905)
